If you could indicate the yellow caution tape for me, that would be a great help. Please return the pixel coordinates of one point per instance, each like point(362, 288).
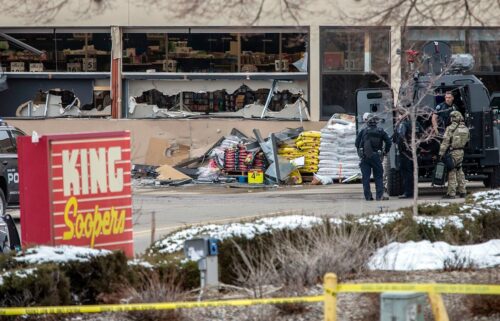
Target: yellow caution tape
point(341, 288)
point(419, 287)
point(154, 306)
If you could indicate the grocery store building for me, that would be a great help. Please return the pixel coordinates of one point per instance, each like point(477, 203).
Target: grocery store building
point(185, 73)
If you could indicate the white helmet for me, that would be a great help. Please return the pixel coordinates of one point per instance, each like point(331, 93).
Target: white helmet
point(367, 117)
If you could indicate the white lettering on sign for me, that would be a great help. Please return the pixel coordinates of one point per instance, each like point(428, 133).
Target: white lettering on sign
point(94, 164)
point(13, 178)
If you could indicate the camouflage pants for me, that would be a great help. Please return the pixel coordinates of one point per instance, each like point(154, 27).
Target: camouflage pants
point(386, 163)
point(456, 177)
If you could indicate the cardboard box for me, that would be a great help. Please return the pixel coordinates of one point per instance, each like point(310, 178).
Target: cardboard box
point(36, 67)
point(162, 151)
point(17, 67)
point(233, 48)
point(130, 52)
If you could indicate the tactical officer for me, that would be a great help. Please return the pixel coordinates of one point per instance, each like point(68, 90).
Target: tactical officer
point(455, 138)
point(372, 142)
point(403, 141)
point(441, 114)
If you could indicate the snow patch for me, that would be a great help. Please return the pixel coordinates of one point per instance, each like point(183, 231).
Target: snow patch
point(59, 254)
point(425, 255)
point(380, 219)
point(138, 262)
point(440, 222)
point(175, 242)
point(23, 273)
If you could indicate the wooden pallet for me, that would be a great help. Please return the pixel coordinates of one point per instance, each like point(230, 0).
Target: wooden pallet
point(235, 173)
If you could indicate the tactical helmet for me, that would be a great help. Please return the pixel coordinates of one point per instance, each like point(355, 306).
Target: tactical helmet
point(369, 118)
point(456, 116)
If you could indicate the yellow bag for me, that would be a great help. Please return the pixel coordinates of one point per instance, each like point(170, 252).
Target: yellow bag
point(295, 177)
point(287, 150)
point(314, 134)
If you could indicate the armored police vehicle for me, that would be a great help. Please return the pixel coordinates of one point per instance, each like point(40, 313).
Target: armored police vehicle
point(9, 175)
point(441, 72)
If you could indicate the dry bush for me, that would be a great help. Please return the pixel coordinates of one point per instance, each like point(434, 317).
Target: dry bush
point(153, 289)
point(292, 261)
point(255, 270)
point(483, 305)
point(303, 259)
point(458, 263)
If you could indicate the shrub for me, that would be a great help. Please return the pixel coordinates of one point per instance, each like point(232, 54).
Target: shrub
point(490, 225)
point(45, 285)
point(152, 288)
point(483, 305)
point(92, 281)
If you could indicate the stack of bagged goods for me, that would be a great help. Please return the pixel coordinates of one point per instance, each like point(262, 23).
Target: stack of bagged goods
point(256, 160)
point(309, 143)
point(212, 170)
point(219, 152)
point(230, 164)
point(239, 159)
point(289, 150)
point(305, 145)
point(338, 157)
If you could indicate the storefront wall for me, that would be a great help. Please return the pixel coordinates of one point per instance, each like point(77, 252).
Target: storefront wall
point(199, 134)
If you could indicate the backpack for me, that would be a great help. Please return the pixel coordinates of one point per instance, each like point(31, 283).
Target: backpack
point(460, 137)
point(371, 141)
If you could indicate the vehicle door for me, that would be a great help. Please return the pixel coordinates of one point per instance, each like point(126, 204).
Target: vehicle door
point(495, 108)
point(380, 102)
point(8, 159)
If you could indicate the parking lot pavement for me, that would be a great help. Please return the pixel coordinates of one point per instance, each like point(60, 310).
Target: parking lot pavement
point(177, 207)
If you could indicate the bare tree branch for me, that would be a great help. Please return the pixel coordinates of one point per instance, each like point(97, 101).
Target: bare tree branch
point(437, 12)
point(45, 11)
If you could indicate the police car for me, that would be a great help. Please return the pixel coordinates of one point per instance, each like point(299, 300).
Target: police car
point(9, 175)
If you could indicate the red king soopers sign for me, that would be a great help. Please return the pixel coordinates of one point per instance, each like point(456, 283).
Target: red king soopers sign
point(89, 184)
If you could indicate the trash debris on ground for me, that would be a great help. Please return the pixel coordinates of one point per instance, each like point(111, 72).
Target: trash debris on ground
point(292, 156)
point(168, 173)
point(142, 171)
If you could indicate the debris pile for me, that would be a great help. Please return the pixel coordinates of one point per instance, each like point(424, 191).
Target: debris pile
point(287, 157)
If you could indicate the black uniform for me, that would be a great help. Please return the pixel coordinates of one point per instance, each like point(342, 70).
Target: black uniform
point(403, 141)
point(369, 143)
point(443, 112)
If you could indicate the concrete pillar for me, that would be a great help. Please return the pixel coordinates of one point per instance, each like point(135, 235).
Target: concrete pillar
point(396, 43)
point(116, 72)
point(314, 72)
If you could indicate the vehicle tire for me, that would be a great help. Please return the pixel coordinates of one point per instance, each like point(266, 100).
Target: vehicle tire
point(493, 180)
point(394, 184)
point(3, 203)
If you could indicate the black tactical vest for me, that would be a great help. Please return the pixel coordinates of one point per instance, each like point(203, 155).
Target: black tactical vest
point(372, 140)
